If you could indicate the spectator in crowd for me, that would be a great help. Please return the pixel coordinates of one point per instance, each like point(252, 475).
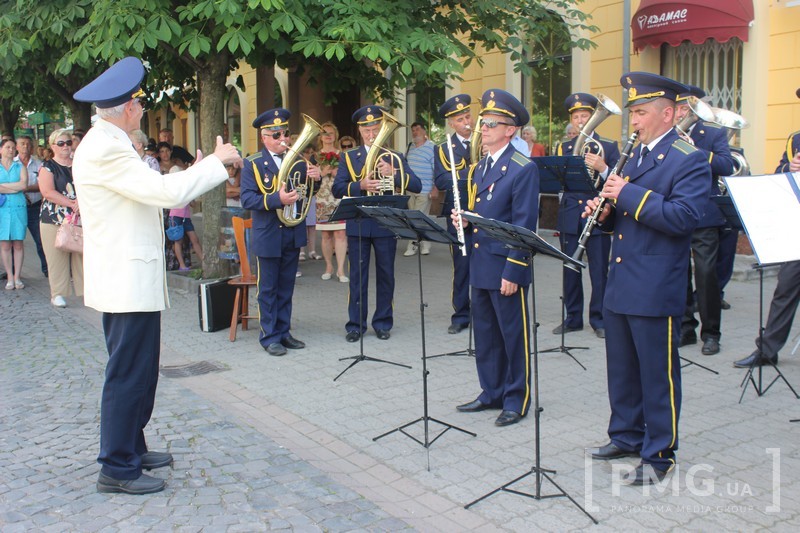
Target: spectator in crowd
point(420, 159)
point(529, 136)
point(58, 190)
point(139, 140)
point(32, 195)
point(347, 143)
point(333, 233)
point(77, 137)
point(232, 186)
point(165, 156)
point(13, 213)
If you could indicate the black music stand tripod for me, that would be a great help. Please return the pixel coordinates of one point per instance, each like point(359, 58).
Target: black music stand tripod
point(418, 227)
point(524, 239)
point(352, 209)
point(560, 174)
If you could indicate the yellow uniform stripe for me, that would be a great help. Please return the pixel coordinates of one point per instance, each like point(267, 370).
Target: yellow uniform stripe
point(516, 262)
point(641, 204)
point(527, 354)
point(710, 156)
point(671, 383)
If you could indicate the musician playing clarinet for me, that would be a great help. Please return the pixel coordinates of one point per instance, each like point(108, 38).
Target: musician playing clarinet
point(658, 199)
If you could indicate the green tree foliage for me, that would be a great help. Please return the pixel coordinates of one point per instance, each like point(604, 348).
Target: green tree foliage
point(376, 45)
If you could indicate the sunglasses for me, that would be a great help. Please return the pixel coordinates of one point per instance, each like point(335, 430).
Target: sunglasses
point(347, 146)
point(61, 144)
point(489, 123)
point(277, 134)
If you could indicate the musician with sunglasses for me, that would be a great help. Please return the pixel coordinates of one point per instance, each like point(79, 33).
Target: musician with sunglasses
point(580, 107)
point(276, 246)
point(352, 179)
point(504, 186)
point(457, 113)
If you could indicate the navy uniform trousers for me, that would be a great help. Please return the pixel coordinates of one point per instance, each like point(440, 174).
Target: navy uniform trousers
point(276, 279)
point(460, 292)
point(598, 249)
point(133, 341)
point(359, 251)
point(782, 309)
point(629, 362)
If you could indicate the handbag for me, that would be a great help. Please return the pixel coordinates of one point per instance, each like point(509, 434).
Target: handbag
point(174, 231)
point(69, 237)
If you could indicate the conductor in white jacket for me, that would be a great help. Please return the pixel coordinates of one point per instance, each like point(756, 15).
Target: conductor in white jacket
point(121, 209)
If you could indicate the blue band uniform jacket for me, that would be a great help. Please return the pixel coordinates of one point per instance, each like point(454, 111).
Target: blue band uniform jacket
point(655, 215)
point(712, 141)
point(792, 148)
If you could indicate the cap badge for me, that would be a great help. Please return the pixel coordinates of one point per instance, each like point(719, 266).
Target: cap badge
point(276, 112)
point(632, 93)
point(491, 94)
point(460, 106)
point(370, 117)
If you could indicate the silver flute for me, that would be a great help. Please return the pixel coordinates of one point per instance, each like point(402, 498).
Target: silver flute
point(456, 196)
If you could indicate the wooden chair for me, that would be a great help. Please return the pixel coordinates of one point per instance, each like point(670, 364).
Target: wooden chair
point(244, 280)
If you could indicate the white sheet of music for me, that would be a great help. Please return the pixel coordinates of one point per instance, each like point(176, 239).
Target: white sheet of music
point(769, 207)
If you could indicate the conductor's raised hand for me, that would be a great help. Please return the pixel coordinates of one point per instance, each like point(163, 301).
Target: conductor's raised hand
point(227, 153)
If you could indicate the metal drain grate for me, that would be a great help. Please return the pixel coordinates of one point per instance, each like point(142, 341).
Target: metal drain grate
point(192, 369)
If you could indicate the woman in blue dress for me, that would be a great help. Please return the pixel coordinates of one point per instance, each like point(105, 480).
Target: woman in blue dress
point(13, 213)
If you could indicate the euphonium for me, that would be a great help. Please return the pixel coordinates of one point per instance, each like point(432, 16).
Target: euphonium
point(475, 149)
point(698, 110)
point(733, 122)
point(291, 179)
point(377, 152)
point(584, 143)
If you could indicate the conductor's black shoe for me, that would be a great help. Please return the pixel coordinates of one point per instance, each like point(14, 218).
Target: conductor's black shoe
point(151, 460)
point(507, 418)
point(456, 328)
point(687, 338)
point(710, 346)
point(383, 334)
point(353, 336)
point(724, 305)
point(755, 359)
point(600, 332)
point(292, 343)
point(144, 484)
point(473, 407)
point(276, 348)
point(567, 329)
point(611, 451)
point(647, 474)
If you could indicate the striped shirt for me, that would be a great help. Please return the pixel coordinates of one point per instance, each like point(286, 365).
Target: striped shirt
point(420, 159)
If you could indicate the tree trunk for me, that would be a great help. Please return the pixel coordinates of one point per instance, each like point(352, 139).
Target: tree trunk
point(211, 84)
point(9, 115)
point(81, 114)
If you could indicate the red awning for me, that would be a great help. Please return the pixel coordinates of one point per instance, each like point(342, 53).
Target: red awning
point(674, 21)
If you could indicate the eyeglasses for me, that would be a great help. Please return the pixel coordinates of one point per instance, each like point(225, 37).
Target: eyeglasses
point(347, 146)
point(493, 123)
point(277, 135)
point(61, 144)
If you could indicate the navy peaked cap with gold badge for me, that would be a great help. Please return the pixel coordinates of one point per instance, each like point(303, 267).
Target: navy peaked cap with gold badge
point(693, 90)
point(455, 106)
point(645, 87)
point(119, 83)
point(273, 119)
point(369, 114)
point(501, 102)
point(577, 101)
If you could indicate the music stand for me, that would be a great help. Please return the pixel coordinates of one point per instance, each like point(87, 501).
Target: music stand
point(524, 239)
point(418, 227)
point(351, 209)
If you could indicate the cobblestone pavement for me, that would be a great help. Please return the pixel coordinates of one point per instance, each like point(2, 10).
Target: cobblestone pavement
point(275, 443)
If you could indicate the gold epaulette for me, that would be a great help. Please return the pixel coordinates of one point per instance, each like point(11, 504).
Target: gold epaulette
point(445, 162)
point(472, 188)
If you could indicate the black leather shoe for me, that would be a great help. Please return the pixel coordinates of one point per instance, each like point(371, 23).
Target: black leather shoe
point(456, 328)
point(600, 332)
point(473, 407)
point(567, 329)
point(151, 460)
point(687, 338)
point(353, 336)
point(756, 358)
point(507, 418)
point(724, 305)
point(276, 348)
point(144, 484)
point(383, 334)
point(647, 474)
point(710, 346)
point(611, 451)
point(292, 343)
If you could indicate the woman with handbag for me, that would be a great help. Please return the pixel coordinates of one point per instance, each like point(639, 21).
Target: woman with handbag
point(13, 213)
point(58, 205)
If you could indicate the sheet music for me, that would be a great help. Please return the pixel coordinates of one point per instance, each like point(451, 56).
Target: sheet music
point(770, 208)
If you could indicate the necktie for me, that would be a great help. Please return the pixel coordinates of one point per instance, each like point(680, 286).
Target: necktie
point(488, 166)
point(645, 151)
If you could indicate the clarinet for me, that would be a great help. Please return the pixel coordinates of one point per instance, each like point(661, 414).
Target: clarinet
point(456, 197)
point(592, 220)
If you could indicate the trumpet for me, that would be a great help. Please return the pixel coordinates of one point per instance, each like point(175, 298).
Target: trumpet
point(292, 179)
point(593, 219)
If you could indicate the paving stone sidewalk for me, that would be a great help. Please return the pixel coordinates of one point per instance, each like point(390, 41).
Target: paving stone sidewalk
point(275, 443)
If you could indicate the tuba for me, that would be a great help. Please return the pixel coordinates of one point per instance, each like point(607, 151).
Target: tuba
point(698, 110)
point(733, 122)
point(294, 179)
point(585, 144)
point(377, 152)
point(475, 149)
